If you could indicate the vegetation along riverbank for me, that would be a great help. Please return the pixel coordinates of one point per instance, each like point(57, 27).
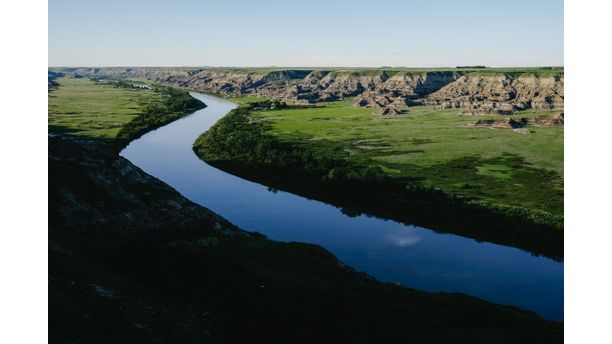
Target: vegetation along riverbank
point(131, 260)
point(114, 109)
point(432, 167)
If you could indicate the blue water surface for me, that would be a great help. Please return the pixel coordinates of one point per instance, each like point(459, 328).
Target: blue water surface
point(390, 251)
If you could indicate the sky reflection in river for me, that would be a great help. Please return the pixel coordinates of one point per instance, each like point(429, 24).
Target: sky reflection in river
point(416, 257)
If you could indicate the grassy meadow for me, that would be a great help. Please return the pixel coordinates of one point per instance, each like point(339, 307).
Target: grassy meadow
point(437, 148)
point(79, 106)
point(114, 109)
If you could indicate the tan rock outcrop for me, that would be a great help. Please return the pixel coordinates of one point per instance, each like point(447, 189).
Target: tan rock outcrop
point(506, 123)
point(389, 112)
point(549, 121)
point(477, 93)
point(500, 93)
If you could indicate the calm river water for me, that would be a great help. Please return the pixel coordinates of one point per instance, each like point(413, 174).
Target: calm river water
point(390, 251)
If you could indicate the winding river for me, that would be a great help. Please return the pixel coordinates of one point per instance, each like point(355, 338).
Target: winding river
point(390, 251)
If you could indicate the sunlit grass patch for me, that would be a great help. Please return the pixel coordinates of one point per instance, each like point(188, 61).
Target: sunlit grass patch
point(440, 148)
point(82, 107)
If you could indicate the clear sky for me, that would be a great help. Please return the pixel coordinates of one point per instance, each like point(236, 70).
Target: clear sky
point(432, 33)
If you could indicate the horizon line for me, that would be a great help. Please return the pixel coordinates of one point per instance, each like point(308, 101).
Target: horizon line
point(310, 67)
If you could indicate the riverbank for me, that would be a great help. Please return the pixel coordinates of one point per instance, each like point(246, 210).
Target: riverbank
point(133, 260)
point(130, 259)
point(243, 144)
point(114, 109)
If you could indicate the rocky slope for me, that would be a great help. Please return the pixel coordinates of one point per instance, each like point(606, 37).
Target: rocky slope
point(500, 94)
point(495, 92)
point(510, 123)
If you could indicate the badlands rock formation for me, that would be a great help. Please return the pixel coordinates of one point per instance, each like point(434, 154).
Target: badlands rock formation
point(491, 92)
point(507, 123)
point(547, 121)
point(510, 123)
point(389, 112)
point(500, 93)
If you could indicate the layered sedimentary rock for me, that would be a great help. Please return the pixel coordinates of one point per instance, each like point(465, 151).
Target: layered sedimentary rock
point(500, 93)
point(370, 89)
point(476, 93)
point(510, 123)
point(388, 112)
point(547, 121)
point(404, 89)
point(507, 123)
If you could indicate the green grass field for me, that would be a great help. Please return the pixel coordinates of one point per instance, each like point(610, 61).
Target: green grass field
point(82, 107)
point(437, 148)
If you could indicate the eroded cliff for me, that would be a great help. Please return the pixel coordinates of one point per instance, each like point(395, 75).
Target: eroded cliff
point(477, 92)
point(501, 93)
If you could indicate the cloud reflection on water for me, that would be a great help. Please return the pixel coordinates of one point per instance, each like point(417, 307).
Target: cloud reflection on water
point(404, 237)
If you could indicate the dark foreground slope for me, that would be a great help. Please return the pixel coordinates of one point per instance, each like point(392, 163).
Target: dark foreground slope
point(131, 260)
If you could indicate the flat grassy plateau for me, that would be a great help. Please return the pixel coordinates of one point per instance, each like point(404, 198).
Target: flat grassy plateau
point(115, 110)
point(438, 148)
point(84, 108)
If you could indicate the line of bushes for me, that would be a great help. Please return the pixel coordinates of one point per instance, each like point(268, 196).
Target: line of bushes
point(240, 144)
point(176, 103)
point(238, 137)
